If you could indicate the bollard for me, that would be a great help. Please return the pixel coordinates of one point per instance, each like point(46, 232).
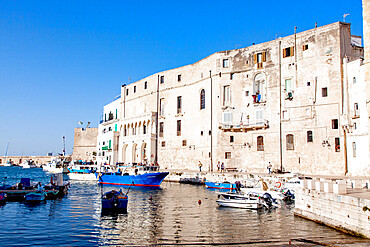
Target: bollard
point(340, 188)
point(319, 186)
point(357, 184)
point(311, 184)
point(328, 187)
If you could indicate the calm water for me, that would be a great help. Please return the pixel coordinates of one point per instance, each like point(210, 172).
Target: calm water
point(173, 217)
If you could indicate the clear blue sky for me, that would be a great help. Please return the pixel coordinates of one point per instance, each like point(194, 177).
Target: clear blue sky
point(62, 61)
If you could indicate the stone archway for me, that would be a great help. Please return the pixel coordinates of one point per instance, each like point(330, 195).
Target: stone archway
point(124, 153)
point(134, 153)
point(144, 157)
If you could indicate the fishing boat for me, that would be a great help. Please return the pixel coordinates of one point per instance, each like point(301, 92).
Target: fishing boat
point(84, 171)
point(2, 198)
point(35, 197)
point(56, 166)
point(114, 201)
point(248, 201)
point(220, 185)
point(28, 164)
point(133, 176)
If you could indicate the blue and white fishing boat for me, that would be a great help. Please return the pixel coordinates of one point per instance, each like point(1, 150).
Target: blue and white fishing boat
point(114, 201)
point(145, 175)
point(2, 198)
point(220, 185)
point(85, 171)
point(35, 197)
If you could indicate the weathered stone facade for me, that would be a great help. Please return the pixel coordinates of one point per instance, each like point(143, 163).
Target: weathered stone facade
point(84, 147)
point(281, 101)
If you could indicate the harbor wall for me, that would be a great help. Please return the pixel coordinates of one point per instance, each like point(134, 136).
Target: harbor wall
point(341, 208)
point(19, 159)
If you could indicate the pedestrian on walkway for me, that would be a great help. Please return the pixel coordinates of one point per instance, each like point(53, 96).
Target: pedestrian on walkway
point(218, 166)
point(222, 167)
point(269, 166)
point(200, 166)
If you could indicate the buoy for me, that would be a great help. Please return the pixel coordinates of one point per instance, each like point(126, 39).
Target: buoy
point(200, 202)
point(150, 198)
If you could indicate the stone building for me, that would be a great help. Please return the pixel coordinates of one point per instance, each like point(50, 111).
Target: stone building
point(284, 101)
point(84, 147)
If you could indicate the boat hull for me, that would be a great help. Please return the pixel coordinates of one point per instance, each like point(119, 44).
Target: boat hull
point(248, 204)
point(147, 179)
point(34, 197)
point(82, 176)
point(223, 186)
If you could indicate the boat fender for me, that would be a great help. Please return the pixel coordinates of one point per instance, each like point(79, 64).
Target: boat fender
point(278, 185)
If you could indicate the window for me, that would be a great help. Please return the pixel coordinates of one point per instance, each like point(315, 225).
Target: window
point(231, 138)
point(183, 143)
point(227, 96)
point(305, 47)
point(231, 76)
point(337, 144)
point(161, 129)
point(126, 91)
point(163, 144)
point(334, 123)
point(288, 52)
point(259, 58)
point(259, 88)
point(260, 146)
point(202, 99)
point(285, 114)
point(178, 127)
point(288, 85)
point(308, 84)
point(355, 125)
point(144, 129)
point(246, 93)
point(110, 129)
point(178, 78)
point(125, 131)
point(289, 142)
point(145, 85)
point(134, 130)
point(324, 92)
point(162, 79)
point(227, 155)
point(354, 80)
point(209, 133)
point(227, 117)
point(179, 104)
point(201, 133)
point(259, 116)
point(356, 110)
point(134, 89)
point(354, 149)
point(225, 63)
point(309, 136)
point(161, 107)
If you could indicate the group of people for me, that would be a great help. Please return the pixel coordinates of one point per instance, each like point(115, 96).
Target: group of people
point(220, 166)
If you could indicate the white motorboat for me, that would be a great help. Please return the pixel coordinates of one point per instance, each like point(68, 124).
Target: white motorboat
point(56, 166)
point(28, 164)
point(85, 171)
point(237, 200)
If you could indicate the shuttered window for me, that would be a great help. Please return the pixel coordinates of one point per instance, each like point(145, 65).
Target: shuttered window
point(289, 142)
point(260, 146)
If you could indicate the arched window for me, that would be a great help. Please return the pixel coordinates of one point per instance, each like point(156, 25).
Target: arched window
point(289, 142)
point(260, 146)
point(202, 99)
point(259, 94)
point(309, 136)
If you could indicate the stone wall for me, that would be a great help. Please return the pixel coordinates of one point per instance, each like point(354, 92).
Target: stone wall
point(85, 141)
point(19, 159)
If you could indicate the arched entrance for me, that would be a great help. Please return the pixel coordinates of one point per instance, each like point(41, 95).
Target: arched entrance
point(144, 158)
point(134, 153)
point(124, 153)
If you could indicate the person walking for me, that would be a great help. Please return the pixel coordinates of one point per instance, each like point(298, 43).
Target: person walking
point(269, 166)
point(222, 167)
point(200, 166)
point(218, 166)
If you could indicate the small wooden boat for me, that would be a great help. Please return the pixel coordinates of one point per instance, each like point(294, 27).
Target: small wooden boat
point(35, 197)
point(114, 201)
point(2, 198)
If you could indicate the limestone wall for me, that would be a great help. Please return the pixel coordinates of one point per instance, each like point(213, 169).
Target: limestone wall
point(85, 141)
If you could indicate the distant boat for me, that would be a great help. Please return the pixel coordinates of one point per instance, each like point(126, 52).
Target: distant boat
point(148, 176)
point(35, 197)
point(56, 166)
point(28, 164)
point(114, 201)
point(84, 171)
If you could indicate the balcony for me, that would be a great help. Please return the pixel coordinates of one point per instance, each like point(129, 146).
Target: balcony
point(237, 127)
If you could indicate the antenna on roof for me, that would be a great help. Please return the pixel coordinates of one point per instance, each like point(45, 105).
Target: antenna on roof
point(344, 17)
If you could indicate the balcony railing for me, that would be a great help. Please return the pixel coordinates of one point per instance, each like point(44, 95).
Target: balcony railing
point(244, 127)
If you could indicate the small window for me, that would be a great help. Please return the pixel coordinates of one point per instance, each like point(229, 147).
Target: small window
point(355, 126)
point(260, 145)
point(308, 84)
point(305, 47)
point(324, 92)
point(288, 52)
point(179, 104)
point(227, 155)
point(126, 91)
point(145, 85)
point(161, 107)
point(183, 143)
point(144, 129)
point(309, 136)
point(178, 127)
point(178, 78)
point(163, 144)
point(225, 63)
point(202, 99)
point(162, 79)
point(354, 149)
point(357, 110)
point(103, 143)
point(209, 133)
point(289, 142)
point(354, 80)
point(246, 93)
point(231, 138)
point(337, 144)
point(227, 96)
point(134, 89)
point(201, 133)
point(231, 76)
point(110, 129)
point(161, 129)
point(334, 123)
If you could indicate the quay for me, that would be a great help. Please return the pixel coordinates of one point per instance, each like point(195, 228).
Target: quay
point(339, 202)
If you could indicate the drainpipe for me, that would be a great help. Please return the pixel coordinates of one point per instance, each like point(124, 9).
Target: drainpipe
point(156, 126)
point(210, 76)
point(124, 100)
point(280, 125)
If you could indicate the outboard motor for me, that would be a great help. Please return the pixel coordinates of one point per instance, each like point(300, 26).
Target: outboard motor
point(289, 195)
point(269, 201)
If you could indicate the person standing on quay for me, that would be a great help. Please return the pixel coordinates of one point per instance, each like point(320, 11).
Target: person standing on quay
point(218, 166)
point(269, 166)
point(222, 167)
point(200, 166)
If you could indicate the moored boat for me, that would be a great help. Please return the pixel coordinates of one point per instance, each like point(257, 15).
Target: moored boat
point(248, 201)
point(220, 185)
point(134, 176)
point(2, 198)
point(85, 171)
point(114, 201)
point(35, 197)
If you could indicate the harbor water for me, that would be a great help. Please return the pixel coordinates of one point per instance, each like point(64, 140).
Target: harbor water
point(176, 214)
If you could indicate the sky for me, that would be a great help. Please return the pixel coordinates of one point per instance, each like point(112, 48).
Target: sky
point(62, 61)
